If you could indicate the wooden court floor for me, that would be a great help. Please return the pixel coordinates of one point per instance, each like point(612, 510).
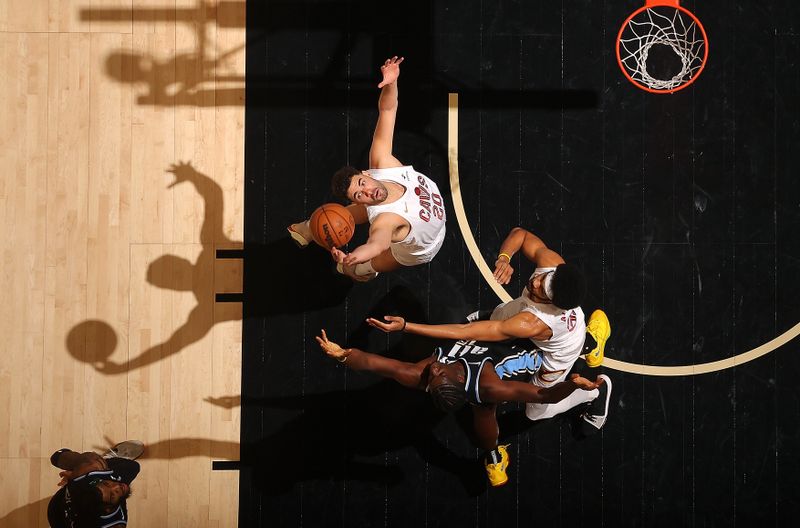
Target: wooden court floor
point(121, 144)
point(682, 209)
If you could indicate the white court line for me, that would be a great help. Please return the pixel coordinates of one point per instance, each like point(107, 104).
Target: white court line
point(624, 366)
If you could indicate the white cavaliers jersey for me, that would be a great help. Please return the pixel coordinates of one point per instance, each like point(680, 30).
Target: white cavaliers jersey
point(569, 328)
point(421, 206)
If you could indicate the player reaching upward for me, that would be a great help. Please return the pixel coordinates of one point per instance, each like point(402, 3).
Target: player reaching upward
point(404, 207)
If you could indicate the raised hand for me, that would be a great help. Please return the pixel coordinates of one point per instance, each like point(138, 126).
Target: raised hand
point(390, 71)
point(391, 323)
point(183, 171)
point(503, 270)
point(329, 347)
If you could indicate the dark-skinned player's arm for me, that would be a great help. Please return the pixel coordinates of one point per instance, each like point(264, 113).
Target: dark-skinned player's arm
point(505, 391)
point(532, 247)
point(404, 373)
point(69, 460)
point(76, 464)
point(522, 325)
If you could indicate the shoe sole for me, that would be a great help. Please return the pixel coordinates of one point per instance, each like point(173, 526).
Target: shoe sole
point(595, 358)
point(129, 449)
point(299, 240)
point(607, 381)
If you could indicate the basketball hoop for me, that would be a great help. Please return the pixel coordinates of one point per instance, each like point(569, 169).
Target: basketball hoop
point(662, 47)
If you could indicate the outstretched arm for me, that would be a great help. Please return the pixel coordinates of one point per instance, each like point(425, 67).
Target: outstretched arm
point(211, 193)
point(404, 373)
point(518, 391)
point(380, 238)
point(380, 154)
point(532, 247)
point(522, 325)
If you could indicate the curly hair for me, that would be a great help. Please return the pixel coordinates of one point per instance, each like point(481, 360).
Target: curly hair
point(340, 182)
point(569, 286)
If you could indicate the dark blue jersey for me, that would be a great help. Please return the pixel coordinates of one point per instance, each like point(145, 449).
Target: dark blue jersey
point(510, 362)
point(62, 511)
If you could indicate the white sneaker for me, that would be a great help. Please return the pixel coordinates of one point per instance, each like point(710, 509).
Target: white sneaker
point(129, 449)
point(300, 238)
point(596, 413)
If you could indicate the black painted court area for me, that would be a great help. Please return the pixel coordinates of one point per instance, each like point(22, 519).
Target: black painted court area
point(682, 209)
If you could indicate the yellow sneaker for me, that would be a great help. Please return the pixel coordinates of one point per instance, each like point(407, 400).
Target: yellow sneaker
point(600, 329)
point(496, 469)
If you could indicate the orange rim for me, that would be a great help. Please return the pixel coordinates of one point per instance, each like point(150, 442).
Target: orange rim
point(665, 3)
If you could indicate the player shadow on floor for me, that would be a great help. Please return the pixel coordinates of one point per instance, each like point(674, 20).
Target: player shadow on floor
point(360, 427)
point(33, 514)
point(170, 272)
point(271, 289)
point(399, 300)
point(281, 279)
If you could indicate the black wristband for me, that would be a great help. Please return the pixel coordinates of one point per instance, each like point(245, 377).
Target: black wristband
point(404, 325)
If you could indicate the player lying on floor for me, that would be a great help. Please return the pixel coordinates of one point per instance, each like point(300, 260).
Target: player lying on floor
point(481, 374)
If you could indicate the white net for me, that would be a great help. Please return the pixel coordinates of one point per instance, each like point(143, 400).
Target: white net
point(662, 48)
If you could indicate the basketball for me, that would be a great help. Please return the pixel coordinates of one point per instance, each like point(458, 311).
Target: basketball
point(332, 225)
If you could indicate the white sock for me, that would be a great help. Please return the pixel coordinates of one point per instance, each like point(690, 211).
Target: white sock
point(540, 411)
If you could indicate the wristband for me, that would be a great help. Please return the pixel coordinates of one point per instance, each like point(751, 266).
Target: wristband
point(404, 325)
point(344, 358)
point(506, 255)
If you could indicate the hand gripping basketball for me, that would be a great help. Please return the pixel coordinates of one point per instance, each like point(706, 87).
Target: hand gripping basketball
point(332, 225)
